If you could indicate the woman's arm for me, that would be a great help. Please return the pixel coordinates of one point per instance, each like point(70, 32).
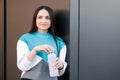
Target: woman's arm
point(27, 59)
point(22, 51)
point(60, 62)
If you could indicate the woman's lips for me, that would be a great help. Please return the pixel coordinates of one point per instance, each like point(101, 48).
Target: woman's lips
point(43, 24)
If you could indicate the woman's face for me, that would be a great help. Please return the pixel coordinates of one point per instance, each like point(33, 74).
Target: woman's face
point(43, 21)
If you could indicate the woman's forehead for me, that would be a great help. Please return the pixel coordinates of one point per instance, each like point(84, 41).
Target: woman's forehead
point(43, 12)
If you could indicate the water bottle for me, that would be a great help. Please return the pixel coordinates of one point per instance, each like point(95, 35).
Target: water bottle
point(51, 61)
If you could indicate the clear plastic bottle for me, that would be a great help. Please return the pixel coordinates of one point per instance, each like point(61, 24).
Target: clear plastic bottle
point(51, 61)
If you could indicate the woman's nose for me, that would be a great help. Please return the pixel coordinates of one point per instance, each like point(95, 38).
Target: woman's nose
point(43, 20)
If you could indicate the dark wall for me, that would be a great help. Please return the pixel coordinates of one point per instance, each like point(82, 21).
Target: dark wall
point(1, 39)
point(19, 18)
point(62, 30)
point(74, 28)
point(99, 56)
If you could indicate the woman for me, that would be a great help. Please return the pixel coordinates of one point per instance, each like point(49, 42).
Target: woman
point(33, 47)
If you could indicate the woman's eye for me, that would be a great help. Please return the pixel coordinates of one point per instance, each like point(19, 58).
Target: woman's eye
point(47, 17)
point(39, 17)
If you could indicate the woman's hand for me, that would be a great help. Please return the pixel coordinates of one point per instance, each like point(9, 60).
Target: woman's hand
point(58, 64)
point(45, 47)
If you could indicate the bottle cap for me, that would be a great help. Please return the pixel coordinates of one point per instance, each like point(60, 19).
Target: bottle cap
point(51, 52)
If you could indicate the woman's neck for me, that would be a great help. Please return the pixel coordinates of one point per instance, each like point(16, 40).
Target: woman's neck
point(43, 31)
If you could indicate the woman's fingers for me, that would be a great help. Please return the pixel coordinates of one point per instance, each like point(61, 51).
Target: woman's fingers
point(46, 48)
point(50, 48)
point(58, 63)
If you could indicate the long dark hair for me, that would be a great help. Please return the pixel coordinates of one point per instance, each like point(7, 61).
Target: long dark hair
point(52, 17)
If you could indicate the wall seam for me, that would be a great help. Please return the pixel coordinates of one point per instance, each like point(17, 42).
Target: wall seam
point(78, 38)
point(5, 32)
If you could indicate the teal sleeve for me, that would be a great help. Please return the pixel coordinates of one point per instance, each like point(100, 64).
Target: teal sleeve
point(60, 43)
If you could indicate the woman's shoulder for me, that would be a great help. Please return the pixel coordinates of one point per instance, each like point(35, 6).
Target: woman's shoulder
point(60, 41)
point(24, 36)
